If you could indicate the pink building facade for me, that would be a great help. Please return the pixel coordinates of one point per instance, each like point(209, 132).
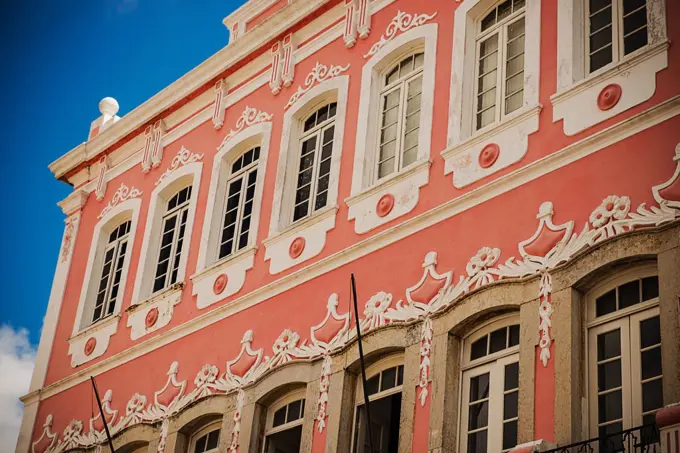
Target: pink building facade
point(501, 177)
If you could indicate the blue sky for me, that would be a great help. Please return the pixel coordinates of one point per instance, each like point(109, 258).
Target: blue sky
point(59, 59)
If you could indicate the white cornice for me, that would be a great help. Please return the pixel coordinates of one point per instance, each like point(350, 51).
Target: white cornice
point(246, 12)
point(270, 28)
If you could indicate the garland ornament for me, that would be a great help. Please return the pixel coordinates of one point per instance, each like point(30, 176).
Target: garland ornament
point(319, 74)
point(123, 193)
point(249, 117)
point(182, 158)
point(400, 23)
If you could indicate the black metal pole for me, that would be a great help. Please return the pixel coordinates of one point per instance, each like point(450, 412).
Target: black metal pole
point(101, 412)
point(363, 366)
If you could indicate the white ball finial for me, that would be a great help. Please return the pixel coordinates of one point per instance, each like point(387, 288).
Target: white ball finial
point(108, 106)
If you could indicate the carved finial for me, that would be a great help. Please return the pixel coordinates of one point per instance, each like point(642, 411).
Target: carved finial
point(430, 259)
point(332, 301)
point(545, 210)
point(247, 337)
point(173, 368)
point(676, 158)
point(108, 107)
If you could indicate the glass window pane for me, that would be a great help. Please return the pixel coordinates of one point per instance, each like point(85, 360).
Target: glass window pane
point(511, 380)
point(498, 340)
point(388, 380)
point(509, 435)
point(372, 384)
point(388, 134)
point(610, 406)
point(600, 19)
point(629, 294)
point(387, 150)
point(515, 42)
point(504, 10)
point(478, 415)
point(200, 444)
point(600, 39)
point(635, 41)
point(510, 405)
point(409, 157)
point(485, 118)
point(479, 387)
point(411, 139)
point(600, 58)
point(634, 20)
point(280, 417)
point(650, 332)
point(609, 345)
point(514, 335)
point(596, 5)
point(606, 303)
point(652, 395)
point(478, 348)
point(515, 101)
point(609, 375)
point(651, 363)
point(213, 439)
point(477, 442)
point(515, 66)
point(386, 168)
point(489, 20)
point(400, 374)
point(294, 411)
point(486, 100)
point(488, 46)
point(419, 59)
point(650, 287)
point(392, 76)
point(611, 443)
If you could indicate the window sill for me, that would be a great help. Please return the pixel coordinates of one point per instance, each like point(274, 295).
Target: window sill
point(92, 341)
point(491, 149)
point(154, 312)
point(209, 285)
point(635, 75)
point(389, 199)
point(309, 236)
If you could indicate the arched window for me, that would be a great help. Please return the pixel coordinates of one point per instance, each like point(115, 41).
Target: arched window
point(238, 207)
point(111, 272)
point(499, 87)
point(489, 409)
point(400, 101)
point(384, 385)
point(283, 429)
point(174, 223)
point(624, 352)
point(206, 439)
point(316, 150)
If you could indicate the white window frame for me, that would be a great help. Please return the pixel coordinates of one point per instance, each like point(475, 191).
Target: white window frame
point(285, 400)
point(332, 90)
point(418, 39)
point(500, 29)
point(196, 436)
point(252, 136)
point(462, 111)
point(623, 318)
point(572, 42)
point(128, 210)
point(390, 361)
point(494, 364)
point(318, 132)
point(188, 175)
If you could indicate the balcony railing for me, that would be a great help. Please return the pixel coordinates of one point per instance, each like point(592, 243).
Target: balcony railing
point(643, 439)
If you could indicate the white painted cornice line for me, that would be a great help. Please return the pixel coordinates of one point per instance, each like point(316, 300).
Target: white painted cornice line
point(270, 28)
point(541, 167)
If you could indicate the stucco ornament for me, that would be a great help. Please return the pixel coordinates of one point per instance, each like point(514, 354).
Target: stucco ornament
point(550, 246)
point(425, 349)
point(71, 436)
point(182, 158)
point(249, 117)
point(69, 236)
point(235, 434)
point(324, 385)
point(374, 311)
point(320, 73)
point(285, 347)
point(400, 23)
point(95, 436)
point(123, 193)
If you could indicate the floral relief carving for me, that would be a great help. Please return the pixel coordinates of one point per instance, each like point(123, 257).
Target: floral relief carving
point(550, 246)
point(69, 237)
point(400, 23)
point(123, 193)
point(249, 117)
point(320, 73)
point(182, 158)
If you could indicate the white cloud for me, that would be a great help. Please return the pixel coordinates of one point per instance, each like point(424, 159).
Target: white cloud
point(16, 366)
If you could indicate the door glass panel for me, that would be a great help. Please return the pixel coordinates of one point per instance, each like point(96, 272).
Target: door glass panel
point(610, 406)
point(650, 332)
point(606, 303)
point(650, 288)
point(652, 395)
point(609, 345)
point(629, 294)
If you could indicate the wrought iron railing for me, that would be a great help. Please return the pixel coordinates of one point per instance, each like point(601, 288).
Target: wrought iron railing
point(642, 439)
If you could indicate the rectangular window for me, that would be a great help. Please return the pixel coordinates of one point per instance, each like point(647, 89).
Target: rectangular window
point(499, 85)
point(112, 270)
point(172, 240)
point(615, 29)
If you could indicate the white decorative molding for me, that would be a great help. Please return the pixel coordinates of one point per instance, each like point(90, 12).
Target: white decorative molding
point(374, 311)
point(275, 80)
point(285, 347)
point(545, 311)
point(364, 23)
point(400, 23)
point(288, 68)
point(163, 304)
point(349, 35)
point(671, 187)
point(234, 268)
point(100, 191)
point(249, 117)
point(425, 364)
point(319, 74)
point(98, 334)
point(122, 194)
point(235, 434)
point(46, 433)
point(153, 146)
point(182, 158)
point(219, 104)
point(324, 385)
point(69, 237)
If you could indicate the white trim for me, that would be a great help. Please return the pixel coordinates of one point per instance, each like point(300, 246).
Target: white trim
point(189, 174)
point(252, 136)
point(333, 89)
point(295, 395)
point(128, 210)
point(541, 167)
point(497, 322)
point(461, 103)
point(423, 37)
